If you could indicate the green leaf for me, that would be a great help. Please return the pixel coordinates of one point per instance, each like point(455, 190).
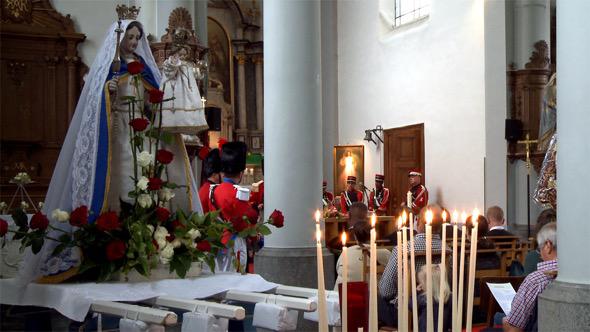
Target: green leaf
point(36, 244)
point(20, 219)
point(59, 249)
point(86, 265)
point(264, 230)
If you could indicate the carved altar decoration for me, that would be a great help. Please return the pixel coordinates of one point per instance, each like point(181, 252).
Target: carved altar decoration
point(528, 88)
point(41, 80)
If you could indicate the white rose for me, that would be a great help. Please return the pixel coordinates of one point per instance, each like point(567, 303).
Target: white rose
point(188, 243)
point(164, 261)
point(60, 215)
point(144, 159)
point(150, 228)
point(24, 205)
point(161, 233)
point(165, 194)
point(161, 243)
point(144, 200)
point(40, 205)
point(142, 184)
point(3, 206)
point(176, 243)
point(167, 252)
point(193, 233)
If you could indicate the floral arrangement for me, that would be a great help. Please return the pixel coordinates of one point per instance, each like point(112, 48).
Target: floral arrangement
point(21, 178)
point(145, 232)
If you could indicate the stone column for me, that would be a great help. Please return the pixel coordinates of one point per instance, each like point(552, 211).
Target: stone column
point(257, 59)
point(242, 117)
point(293, 141)
point(200, 20)
point(565, 304)
point(532, 20)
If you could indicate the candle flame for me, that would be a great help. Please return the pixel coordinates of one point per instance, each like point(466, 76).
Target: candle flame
point(400, 223)
point(444, 216)
point(475, 216)
point(429, 216)
point(455, 217)
point(463, 218)
point(344, 239)
point(404, 217)
point(373, 220)
point(317, 216)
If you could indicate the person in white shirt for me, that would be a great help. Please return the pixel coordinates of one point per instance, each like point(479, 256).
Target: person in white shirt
point(496, 222)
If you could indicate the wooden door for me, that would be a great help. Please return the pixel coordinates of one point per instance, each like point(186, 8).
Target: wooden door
point(403, 150)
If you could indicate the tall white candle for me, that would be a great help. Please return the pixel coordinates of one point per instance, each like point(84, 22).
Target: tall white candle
point(373, 320)
point(461, 273)
point(400, 273)
point(472, 263)
point(413, 272)
point(443, 272)
point(429, 303)
point(344, 284)
point(322, 312)
point(455, 219)
point(406, 284)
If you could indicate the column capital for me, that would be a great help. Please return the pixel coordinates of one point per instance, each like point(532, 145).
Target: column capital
point(241, 57)
point(257, 59)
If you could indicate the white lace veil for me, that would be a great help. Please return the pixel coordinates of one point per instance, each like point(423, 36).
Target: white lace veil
point(72, 182)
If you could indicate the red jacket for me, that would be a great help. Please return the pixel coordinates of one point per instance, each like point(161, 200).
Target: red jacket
point(327, 199)
point(347, 198)
point(419, 198)
point(204, 196)
point(379, 204)
point(232, 209)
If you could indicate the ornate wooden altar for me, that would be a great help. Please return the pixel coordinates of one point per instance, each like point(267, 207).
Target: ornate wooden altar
point(527, 89)
point(41, 79)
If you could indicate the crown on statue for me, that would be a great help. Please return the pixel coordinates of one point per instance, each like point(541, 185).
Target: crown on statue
point(181, 37)
point(127, 13)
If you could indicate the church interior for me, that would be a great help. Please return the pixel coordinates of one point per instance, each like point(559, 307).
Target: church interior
point(294, 165)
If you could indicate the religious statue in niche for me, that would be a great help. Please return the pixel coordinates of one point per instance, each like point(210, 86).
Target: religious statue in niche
point(184, 113)
point(547, 123)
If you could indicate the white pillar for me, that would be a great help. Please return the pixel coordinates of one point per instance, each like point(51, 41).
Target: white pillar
point(242, 120)
point(258, 60)
point(532, 23)
point(293, 118)
point(565, 304)
point(200, 20)
point(329, 87)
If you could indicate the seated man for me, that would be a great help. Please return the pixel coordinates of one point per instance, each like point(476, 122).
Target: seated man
point(358, 212)
point(496, 222)
point(525, 300)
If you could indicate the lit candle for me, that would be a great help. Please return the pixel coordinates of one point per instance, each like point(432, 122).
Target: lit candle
point(373, 321)
point(443, 272)
point(413, 268)
point(322, 312)
point(400, 272)
point(344, 284)
point(429, 304)
point(455, 219)
point(472, 263)
point(406, 292)
point(461, 273)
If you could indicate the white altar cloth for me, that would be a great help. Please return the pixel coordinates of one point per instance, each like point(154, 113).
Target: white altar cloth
point(74, 300)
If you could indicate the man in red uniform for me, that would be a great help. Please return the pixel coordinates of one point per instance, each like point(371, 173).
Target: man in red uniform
point(327, 196)
point(233, 200)
point(350, 195)
point(419, 192)
point(379, 198)
point(211, 169)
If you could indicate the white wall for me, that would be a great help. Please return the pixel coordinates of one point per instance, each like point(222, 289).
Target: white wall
point(432, 73)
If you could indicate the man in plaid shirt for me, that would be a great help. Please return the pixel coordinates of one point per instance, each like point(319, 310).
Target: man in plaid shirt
point(388, 283)
point(524, 302)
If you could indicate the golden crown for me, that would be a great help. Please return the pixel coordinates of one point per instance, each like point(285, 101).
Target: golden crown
point(127, 13)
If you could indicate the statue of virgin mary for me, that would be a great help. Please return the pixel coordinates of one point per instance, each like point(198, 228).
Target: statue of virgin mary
point(95, 165)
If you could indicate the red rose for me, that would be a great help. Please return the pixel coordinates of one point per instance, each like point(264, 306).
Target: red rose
point(204, 246)
point(116, 250)
point(162, 214)
point(204, 152)
point(79, 217)
point(170, 237)
point(108, 221)
point(156, 96)
point(164, 156)
point(239, 224)
point(226, 236)
point(39, 221)
point(135, 67)
point(155, 184)
point(139, 124)
point(277, 219)
point(3, 227)
point(176, 224)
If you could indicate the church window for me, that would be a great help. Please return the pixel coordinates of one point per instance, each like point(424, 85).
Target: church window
point(408, 11)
